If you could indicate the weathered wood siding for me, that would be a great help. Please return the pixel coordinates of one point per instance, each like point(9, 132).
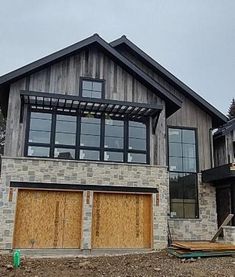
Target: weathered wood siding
point(63, 77)
point(224, 149)
point(190, 115)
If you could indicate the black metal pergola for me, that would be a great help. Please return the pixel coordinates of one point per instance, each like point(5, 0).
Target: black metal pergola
point(70, 103)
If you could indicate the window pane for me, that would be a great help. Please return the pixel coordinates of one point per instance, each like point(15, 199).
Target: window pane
point(183, 195)
point(64, 153)
point(177, 209)
point(176, 187)
point(189, 165)
point(90, 140)
point(38, 151)
point(190, 186)
point(95, 94)
point(87, 93)
point(40, 124)
point(90, 126)
point(66, 124)
point(114, 134)
point(113, 142)
point(190, 210)
point(174, 135)
point(176, 164)
point(97, 86)
point(40, 127)
point(137, 144)
point(46, 116)
point(136, 158)
point(66, 139)
point(113, 156)
point(189, 150)
point(39, 136)
point(114, 128)
point(89, 155)
point(175, 149)
point(87, 85)
point(137, 130)
point(188, 136)
point(65, 130)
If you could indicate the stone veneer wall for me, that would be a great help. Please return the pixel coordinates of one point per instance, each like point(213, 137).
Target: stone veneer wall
point(229, 234)
point(205, 226)
point(77, 172)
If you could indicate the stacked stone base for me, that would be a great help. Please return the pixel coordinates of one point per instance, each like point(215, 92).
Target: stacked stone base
point(85, 173)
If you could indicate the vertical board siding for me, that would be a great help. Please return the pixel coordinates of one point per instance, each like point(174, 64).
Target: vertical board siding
point(64, 77)
point(14, 129)
point(190, 115)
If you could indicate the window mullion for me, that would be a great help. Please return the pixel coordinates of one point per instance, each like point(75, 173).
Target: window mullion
point(53, 130)
point(126, 136)
point(102, 137)
point(78, 135)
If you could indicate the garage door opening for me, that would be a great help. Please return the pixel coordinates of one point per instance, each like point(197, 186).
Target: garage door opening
point(122, 220)
point(48, 219)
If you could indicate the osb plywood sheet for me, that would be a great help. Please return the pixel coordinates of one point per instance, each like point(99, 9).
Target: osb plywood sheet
point(43, 218)
point(72, 220)
point(121, 221)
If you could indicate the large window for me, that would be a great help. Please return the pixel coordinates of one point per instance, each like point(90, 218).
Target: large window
point(183, 172)
point(87, 137)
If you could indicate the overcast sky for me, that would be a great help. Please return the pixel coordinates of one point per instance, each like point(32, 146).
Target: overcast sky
point(193, 39)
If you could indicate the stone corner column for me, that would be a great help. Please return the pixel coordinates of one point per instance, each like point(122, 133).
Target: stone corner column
point(87, 220)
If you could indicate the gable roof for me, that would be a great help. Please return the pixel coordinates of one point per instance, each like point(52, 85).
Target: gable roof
point(218, 118)
point(172, 102)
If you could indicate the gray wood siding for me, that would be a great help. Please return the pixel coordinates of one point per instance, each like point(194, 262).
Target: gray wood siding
point(220, 153)
point(63, 77)
point(224, 149)
point(190, 115)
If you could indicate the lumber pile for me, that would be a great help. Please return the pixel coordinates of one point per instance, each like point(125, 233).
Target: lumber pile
point(195, 249)
point(203, 246)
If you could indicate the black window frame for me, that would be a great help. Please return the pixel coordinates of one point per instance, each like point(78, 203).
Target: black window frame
point(102, 81)
point(77, 145)
point(197, 215)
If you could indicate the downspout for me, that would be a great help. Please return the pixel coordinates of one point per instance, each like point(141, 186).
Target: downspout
point(211, 148)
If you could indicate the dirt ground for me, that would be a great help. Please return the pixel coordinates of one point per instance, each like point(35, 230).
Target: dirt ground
point(148, 264)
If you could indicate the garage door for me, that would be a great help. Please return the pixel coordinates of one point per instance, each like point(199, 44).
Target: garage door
point(48, 219)
point(121, 221)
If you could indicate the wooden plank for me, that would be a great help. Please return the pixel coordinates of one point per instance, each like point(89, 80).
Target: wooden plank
point(121, 221)
point(226, 221)
point(37, 219)
point(196, 254)
point(72, 220)
point(46, 219)
point(203, 246)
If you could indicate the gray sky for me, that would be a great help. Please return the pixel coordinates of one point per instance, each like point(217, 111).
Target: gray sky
point(193, 39)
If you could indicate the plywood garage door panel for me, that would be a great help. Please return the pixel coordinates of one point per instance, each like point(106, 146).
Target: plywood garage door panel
point(43, 218)
point(121, 220)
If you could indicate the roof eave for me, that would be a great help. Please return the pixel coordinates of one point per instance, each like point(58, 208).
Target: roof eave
point(172, 102)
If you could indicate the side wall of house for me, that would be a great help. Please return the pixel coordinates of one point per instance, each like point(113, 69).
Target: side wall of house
point(63, 78)
point(189, 115)
point(192, 116)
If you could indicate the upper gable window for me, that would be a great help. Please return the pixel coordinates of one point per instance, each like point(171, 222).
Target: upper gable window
point(92, 88)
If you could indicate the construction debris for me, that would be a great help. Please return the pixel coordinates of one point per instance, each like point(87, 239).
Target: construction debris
point(195, 249)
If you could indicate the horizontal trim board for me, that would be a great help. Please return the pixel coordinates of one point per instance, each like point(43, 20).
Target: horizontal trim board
point(35, 185)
